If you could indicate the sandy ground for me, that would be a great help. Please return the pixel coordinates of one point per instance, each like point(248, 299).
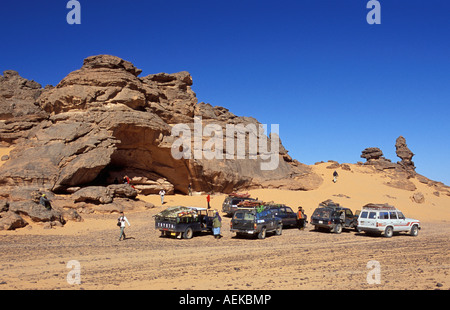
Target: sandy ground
point(35, 258)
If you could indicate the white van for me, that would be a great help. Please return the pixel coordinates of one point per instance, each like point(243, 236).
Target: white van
point(386, 219)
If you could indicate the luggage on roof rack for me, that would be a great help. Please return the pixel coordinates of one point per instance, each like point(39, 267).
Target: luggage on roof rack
point(240, 195)
point(249, 203)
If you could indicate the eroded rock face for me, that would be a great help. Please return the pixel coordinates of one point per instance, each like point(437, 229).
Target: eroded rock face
point(103, 121)
point(405, 154)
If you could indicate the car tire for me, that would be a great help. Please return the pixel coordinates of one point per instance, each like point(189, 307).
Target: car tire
point(188, 233)
point(338, 228)
point(262, 234)
point(388, 232)
point(414, 231)
point(279, 230)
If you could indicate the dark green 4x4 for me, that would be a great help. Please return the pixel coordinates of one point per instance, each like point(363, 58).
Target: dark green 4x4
point(255, 222)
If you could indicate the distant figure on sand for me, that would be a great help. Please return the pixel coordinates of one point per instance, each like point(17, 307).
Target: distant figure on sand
point(335, 176)
point(190, 189)
point(208, 200)
point(121, 223)
point(162, 193)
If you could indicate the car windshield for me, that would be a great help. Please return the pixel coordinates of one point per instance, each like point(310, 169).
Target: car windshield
point(322, 213)
point(246, 216)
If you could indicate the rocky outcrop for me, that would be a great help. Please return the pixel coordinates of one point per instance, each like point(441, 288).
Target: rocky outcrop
point(375, 158)
point(19, 109)
point(103, 121)
point(405, 155)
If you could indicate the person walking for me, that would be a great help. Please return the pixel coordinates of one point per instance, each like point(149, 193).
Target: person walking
point(335, 176)
point(121, 223)
point(162, 193)
point(217, 224)
point(208, 200)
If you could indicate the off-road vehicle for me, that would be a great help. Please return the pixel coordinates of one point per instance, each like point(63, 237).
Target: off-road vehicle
point(230, 204)
point(287, 215)
point(183, 222)
point(385, 219)
point(333, 217)
point(255, 222)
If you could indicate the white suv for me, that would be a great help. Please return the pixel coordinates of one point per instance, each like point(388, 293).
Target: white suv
point(386, 219)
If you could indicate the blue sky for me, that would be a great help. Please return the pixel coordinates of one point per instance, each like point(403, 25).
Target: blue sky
point(334, 83)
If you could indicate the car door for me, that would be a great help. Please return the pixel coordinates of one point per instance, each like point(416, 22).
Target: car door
point(393, 218)
point(348, 217)
point(403, 224)
point(291, 216)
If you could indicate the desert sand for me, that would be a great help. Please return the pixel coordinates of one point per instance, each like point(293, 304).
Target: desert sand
point(36, 258)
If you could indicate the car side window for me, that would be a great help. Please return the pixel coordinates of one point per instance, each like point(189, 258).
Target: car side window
point(393, 215)
point(401, 216)
point(364, 214)
point(384, 215)
point(372, 215)
point(289, 210)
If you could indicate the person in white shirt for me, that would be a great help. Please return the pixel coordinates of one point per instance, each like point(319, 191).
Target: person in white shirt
point(162, 193)
point(121, 220)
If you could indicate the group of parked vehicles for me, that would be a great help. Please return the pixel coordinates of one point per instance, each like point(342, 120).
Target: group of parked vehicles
point(252, 217)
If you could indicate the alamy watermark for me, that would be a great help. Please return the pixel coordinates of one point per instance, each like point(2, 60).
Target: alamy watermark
point(74, 275)
point(231, 145)
point(374, 274)
point(374, 15)
point(74, 15)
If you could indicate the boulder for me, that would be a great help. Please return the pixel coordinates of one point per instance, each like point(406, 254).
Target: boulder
point(122, 190)
point(11, 221)
point(93, 194)
point(36, 212)
point(418, 197)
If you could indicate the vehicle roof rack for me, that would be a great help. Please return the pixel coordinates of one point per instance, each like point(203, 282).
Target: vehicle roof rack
point(330, 204)
point(378, 206)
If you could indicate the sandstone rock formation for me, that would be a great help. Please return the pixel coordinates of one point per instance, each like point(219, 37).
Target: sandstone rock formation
point(374, 157)
point(399, 174)
point(405, 154)
point(102, 122)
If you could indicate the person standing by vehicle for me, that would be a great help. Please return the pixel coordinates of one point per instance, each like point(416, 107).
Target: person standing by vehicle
point(217, 224)
point(121, 223)
point(190, 189)
point(301, 218)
